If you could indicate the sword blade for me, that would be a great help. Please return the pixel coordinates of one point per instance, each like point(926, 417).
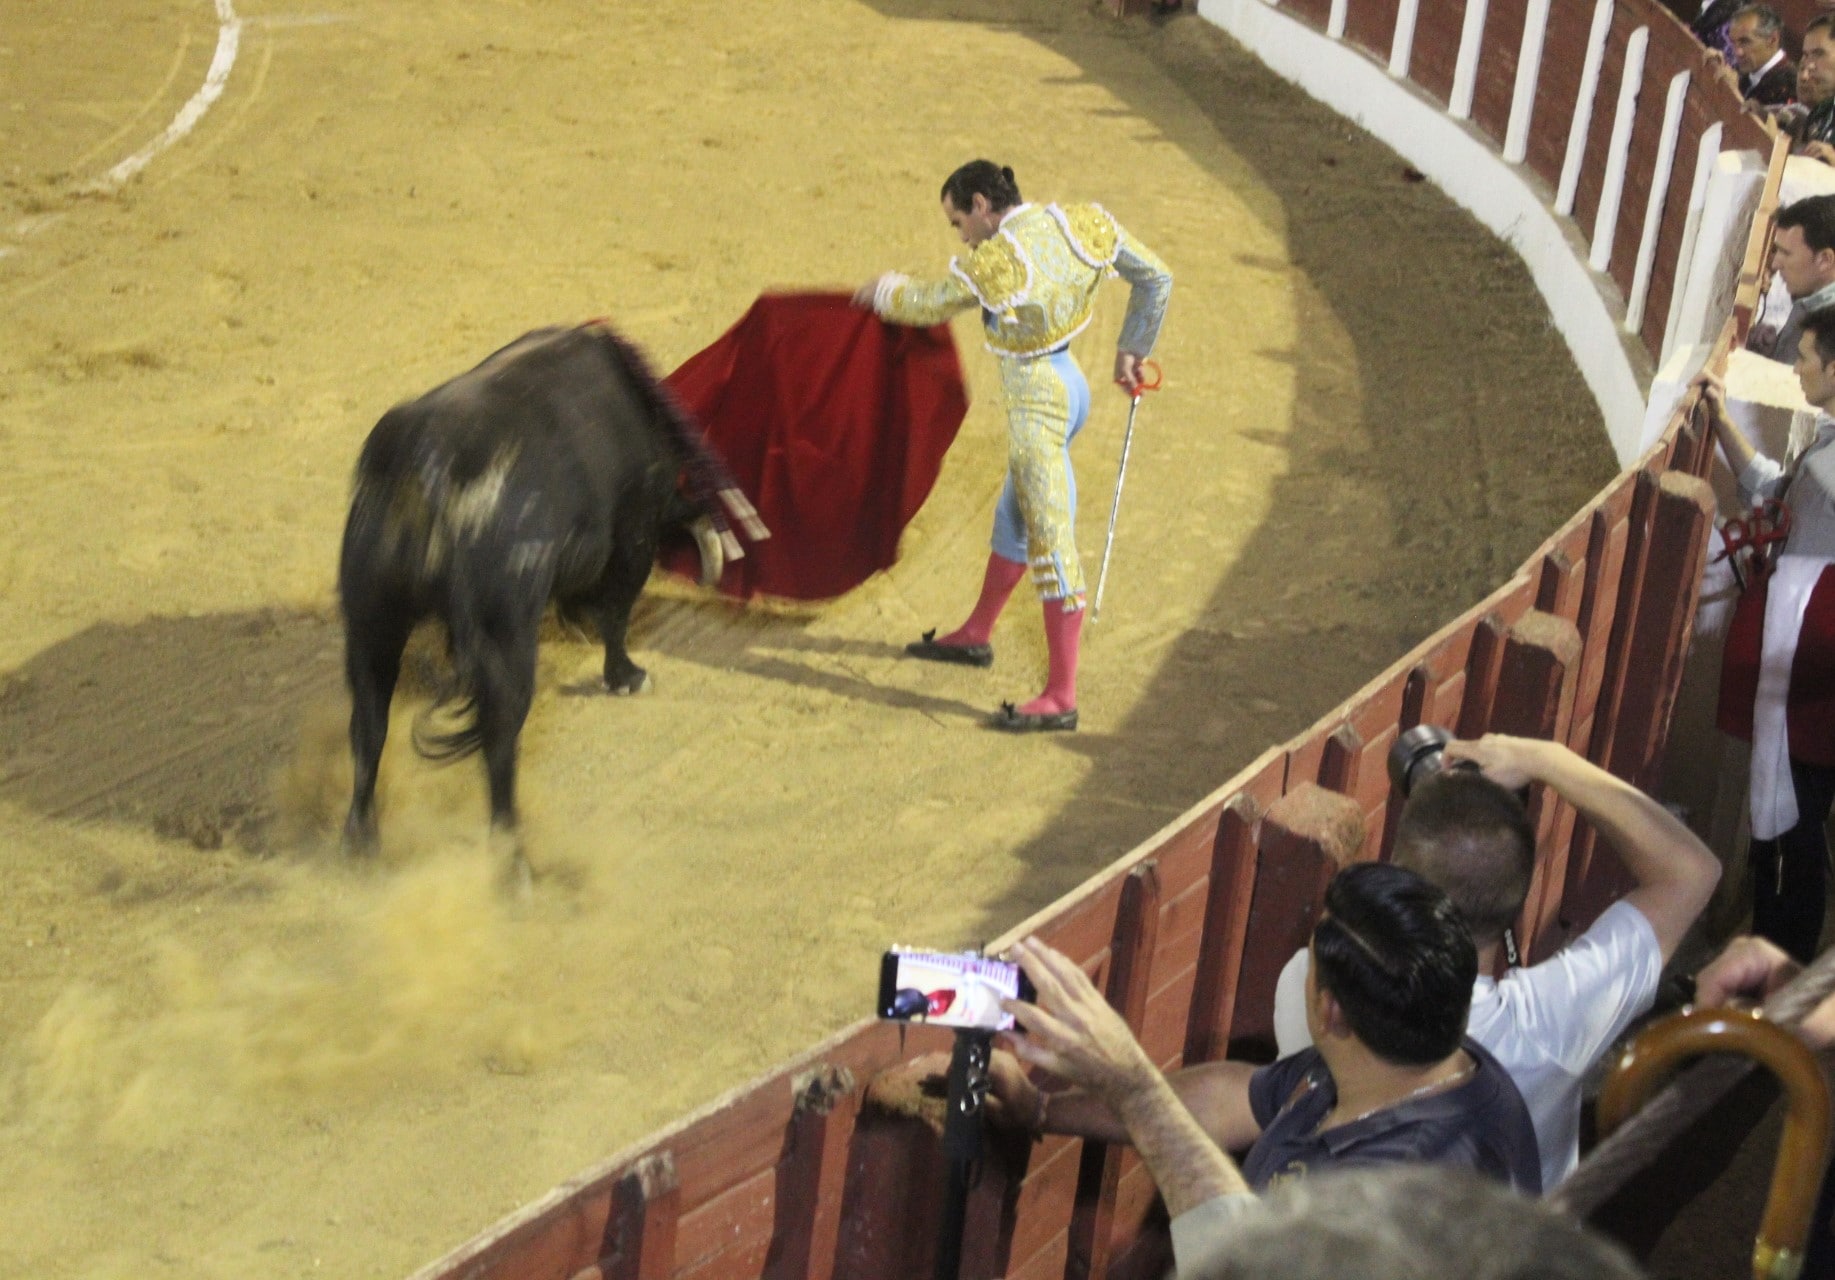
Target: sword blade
point(1121, 478)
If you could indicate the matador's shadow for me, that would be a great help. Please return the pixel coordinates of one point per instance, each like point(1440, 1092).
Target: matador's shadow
point(772, 642)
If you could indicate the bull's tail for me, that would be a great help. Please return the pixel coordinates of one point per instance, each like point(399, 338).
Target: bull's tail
point(483, 678)
point(466, 739)
point(457, 700)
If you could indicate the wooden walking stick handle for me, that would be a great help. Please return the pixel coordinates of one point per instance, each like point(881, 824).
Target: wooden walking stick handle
point(1803, 1150)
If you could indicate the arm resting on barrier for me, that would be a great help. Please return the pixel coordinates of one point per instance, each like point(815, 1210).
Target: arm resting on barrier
point(1751, 968)
point(1216, 1093)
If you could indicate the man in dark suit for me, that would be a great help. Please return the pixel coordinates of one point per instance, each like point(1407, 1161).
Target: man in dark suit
point(1766, 76)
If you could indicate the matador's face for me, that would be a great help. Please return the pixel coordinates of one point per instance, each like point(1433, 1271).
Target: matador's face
point(974, 225)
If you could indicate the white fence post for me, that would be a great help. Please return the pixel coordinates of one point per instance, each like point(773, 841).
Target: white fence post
point(1618, 153)
point(1653, 207)
point(1583, 108)
point(1528, 74)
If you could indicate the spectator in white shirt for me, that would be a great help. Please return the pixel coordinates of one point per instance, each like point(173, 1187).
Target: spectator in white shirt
point(1547, 1023)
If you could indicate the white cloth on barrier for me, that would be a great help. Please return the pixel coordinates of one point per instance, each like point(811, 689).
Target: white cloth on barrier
point(1774, 799)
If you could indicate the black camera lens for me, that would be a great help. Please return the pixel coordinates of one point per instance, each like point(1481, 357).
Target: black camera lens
point(1419, 754)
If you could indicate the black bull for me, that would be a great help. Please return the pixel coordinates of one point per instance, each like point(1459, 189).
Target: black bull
point(548, 473)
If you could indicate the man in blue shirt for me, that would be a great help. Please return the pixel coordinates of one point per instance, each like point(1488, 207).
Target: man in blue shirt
point(1391, 1076)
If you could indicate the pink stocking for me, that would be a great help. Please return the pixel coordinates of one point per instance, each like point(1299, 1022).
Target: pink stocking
point(1063, 639)
point(996, 586)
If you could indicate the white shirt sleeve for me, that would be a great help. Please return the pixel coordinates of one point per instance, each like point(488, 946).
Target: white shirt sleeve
point(1291, 1033)
point(1573, 1005)
point(1762, 478)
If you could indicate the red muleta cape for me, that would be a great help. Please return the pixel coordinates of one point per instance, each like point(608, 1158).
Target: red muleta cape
point(835, 425)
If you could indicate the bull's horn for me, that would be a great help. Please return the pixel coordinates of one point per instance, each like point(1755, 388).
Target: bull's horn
point(713, 556)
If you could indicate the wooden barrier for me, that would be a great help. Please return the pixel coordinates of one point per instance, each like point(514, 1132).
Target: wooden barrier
point(832, 1167)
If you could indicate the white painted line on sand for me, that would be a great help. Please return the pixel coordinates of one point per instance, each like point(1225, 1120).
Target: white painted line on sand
point(31, 226)
point(229, 38)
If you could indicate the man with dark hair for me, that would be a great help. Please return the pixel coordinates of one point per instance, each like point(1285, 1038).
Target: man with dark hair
point(1393, 953)
point(1811, 120)
point(1033, 271)
point(1803, 257)
point(1548, 1023)
point(1392, 1077)
point(1765, 74)
point(1777, 687)
point(1387, 1074)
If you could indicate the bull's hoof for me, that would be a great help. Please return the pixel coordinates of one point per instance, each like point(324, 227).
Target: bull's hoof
point(636, 682)
point(519, 880)
point(359, 842)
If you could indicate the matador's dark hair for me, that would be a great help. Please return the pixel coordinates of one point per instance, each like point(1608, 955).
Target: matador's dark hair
point(982, 178)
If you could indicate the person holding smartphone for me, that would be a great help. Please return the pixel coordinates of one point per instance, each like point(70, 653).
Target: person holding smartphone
point(1391, 1078)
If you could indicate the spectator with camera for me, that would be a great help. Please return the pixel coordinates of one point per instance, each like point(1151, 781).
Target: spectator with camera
point(1391, 1079)
point(1464, 830)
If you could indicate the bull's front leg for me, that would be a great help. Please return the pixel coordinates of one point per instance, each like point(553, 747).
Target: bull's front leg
point(626, 571)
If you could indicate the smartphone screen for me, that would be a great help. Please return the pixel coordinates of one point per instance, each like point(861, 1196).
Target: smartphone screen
point(948, 989)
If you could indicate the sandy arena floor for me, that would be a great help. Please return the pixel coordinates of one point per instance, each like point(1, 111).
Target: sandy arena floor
point(223, 1052)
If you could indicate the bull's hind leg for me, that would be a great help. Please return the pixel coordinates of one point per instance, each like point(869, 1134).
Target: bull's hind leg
point(372, 664)
point(506, 688)
point(626, 571)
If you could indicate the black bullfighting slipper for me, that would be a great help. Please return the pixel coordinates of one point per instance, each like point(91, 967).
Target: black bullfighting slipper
point(967, 655)
point(1012, 720)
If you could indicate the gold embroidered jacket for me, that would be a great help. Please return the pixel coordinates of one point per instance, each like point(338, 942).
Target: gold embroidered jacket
point(1035, 281)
